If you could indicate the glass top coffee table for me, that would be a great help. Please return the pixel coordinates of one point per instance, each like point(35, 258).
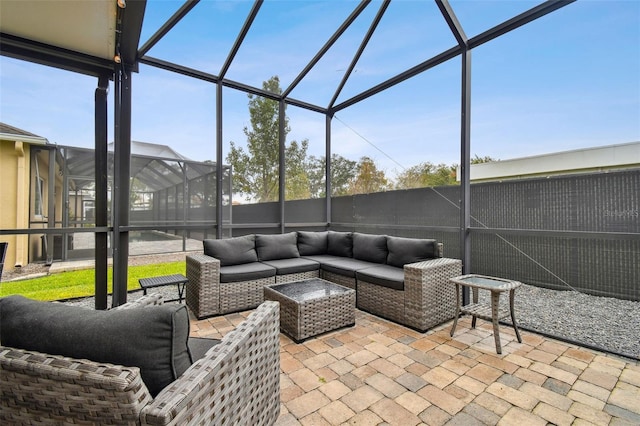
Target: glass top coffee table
point(311, 307)
point(492, 313)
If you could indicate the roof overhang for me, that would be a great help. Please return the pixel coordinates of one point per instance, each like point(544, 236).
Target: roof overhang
point(32, 140)
point(76, 35)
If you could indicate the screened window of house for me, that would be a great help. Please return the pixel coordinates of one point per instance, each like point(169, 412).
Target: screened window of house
point(38, 210)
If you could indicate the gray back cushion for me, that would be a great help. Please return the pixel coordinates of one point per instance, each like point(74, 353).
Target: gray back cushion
point(410, 250)
point(152, 338)
point(279, 246)
point(340, 244)
point(372, 248)
point(232, 251)
point(312, 243)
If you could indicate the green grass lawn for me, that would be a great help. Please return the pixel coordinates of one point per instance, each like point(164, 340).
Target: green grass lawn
point(67, 285)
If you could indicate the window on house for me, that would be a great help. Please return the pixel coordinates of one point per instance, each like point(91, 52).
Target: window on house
point(38, 206)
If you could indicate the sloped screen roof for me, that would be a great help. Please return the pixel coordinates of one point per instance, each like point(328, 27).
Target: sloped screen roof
point(147, 166)
point(85, 36)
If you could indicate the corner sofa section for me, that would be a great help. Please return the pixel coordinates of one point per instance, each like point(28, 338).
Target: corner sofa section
point(401, 279)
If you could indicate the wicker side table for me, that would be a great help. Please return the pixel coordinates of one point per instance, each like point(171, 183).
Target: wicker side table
point(311, 307)
point(491, 313)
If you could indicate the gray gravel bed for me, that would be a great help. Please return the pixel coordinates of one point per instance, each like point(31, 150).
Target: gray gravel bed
point(593, 321)
point(610, 324)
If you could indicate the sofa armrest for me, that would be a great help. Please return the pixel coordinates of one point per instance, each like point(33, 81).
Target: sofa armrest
point(430, 299)
point(203, 287)
point(237, 381)
point(36, 386)
point(143, 301)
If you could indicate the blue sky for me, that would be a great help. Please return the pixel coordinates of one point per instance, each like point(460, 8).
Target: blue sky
point(569, 80)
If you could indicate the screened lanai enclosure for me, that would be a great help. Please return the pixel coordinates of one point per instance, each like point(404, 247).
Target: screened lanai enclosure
point(166, 189)
point(577, 232)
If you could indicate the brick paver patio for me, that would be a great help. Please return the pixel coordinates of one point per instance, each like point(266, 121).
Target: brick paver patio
point(378, 372)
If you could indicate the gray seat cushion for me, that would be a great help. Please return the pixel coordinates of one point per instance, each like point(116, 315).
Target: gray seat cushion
point(323, 258)
point(372, 248)
point(410, 250)
point(293, 266)
point(246, 272)
point(341, 265)
point(278, 246)
point(383, 275)
point(153, 338)
point(312, 243)
point(340, 243)
point(198, 346)
point(232, 251)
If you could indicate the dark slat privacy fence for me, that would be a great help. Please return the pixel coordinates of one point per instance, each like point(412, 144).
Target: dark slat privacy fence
point(560, 232)
point(533, 217)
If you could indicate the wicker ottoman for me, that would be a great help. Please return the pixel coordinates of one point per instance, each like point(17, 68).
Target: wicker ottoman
point(312, 307)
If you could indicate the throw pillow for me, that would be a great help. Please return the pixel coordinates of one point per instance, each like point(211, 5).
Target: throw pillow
point(312, 243)
point(340, 244)
point(279, 246)
point(232, 251)
point(372, 248)
point(410, 250)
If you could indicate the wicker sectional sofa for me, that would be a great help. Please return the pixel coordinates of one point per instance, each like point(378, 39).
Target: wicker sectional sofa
point(401, 279)
point(158, 382)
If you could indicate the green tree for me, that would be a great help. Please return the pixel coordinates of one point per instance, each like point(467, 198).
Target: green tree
point(256, 171)
point(298, 184)
point(426, 175)
point(486, 159)
point(368, 178)
point(343, 172)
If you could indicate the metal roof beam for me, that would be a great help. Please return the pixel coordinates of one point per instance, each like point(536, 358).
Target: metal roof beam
point(428, 64)
point(243, 33)
point(167, 26)
point(518, 21)
point(363, 45)
point(180, 69)
point(200, 75)
point(358, 10)
point(46, 54)
point(452, 22)
point(128, 29)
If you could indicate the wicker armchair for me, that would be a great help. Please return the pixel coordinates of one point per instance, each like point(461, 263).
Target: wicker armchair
point(236, 382)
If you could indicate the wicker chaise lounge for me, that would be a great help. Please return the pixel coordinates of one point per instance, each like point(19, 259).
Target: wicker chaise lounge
point(235, 382)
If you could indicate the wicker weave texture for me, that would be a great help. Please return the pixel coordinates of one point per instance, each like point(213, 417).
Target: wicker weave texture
point(236, 383)
point(146, 300)
point(382, 301)
point(430, 299)
point(203, 288)
point(338, 279)
point(289, 278)
point(301, 320)
point(242, 295)
point(37, 388)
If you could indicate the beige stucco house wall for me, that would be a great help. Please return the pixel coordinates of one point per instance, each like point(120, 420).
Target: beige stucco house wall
point(17, 192)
